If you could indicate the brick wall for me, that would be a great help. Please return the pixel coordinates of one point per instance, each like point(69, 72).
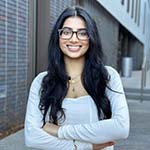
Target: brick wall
point(13, 63)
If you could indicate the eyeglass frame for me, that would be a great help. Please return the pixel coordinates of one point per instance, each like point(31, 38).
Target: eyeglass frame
point(76, 32)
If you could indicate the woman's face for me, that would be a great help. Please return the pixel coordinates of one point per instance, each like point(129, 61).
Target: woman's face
point(74, 40)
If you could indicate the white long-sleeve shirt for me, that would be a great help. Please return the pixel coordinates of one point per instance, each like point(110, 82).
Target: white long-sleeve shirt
point(81, 121)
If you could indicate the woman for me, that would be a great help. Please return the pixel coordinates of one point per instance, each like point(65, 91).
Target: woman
point(78, 103)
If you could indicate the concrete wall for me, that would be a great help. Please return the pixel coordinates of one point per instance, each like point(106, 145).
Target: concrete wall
point(136, 52)
point(135, 17)
point(108, 30)
point(131, 18)
point(131, 47)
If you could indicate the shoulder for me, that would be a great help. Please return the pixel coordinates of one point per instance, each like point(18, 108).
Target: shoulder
point(115, 82)
point(41, 75)
point(38, 79)
point(112, 72)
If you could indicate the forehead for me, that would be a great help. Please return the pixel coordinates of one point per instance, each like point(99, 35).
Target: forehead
point(74, 22)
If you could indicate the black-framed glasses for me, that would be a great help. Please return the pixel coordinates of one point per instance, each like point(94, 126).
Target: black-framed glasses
point(67, 33)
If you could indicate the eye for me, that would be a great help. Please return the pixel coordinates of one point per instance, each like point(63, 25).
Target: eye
point(82, 33)
point(66, 32)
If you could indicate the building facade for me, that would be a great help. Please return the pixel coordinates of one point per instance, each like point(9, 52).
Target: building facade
point(134, 17)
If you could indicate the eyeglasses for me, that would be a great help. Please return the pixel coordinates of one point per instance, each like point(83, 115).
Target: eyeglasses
point(67, 33)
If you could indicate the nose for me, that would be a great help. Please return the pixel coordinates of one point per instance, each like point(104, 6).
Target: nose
point(74, 38)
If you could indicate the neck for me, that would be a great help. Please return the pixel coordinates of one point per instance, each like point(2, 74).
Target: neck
point(74, 67)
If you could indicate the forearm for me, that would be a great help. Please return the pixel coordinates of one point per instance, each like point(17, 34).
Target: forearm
point(99, 132)
point(37, 138)
point(52, 129)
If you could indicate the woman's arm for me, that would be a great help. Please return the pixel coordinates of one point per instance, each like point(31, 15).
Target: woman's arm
point(106, 130)
point(52, 129)
point(35, 136)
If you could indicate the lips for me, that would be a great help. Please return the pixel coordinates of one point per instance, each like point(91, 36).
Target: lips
point(74, 48)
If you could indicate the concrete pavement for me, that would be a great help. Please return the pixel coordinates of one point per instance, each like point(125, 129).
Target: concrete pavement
point(139, 138)
point(14, 142)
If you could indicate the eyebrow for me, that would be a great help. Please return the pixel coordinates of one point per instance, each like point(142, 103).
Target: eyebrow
point(72, 28)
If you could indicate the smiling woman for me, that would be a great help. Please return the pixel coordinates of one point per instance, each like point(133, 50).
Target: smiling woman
point(74, 39)
point(78, 103)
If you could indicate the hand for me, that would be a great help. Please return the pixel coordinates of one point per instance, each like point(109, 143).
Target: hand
point(51, 129)
point(103, 145)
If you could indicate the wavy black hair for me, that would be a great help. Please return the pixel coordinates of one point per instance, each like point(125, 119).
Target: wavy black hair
point(94, 76)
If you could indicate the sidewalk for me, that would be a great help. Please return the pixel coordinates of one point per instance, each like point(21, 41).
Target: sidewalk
point(139, 138)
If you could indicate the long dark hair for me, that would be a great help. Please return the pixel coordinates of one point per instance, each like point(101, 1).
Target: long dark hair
point(94, 76)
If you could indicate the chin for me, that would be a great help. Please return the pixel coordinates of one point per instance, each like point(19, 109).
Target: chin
point(75, 56)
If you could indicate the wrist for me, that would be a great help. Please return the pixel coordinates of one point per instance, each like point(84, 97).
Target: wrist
point(51, 129)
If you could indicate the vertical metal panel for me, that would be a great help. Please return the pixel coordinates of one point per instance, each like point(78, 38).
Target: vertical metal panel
point(32, 41)
point(136, 10)
point(42, 34)
point(144, 22)
point(132, 9)
point(128, 6)
point(139, 12)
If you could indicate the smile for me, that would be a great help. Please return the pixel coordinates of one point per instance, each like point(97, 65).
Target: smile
point(74, 48)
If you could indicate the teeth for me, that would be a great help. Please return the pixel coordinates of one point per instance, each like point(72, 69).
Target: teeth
point(74, 48)
point(70, 46)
